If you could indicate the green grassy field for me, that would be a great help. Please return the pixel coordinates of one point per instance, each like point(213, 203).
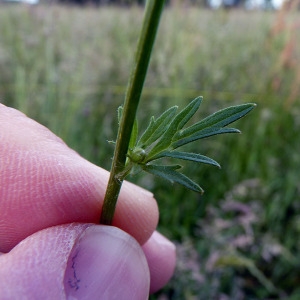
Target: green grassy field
point(68, 68)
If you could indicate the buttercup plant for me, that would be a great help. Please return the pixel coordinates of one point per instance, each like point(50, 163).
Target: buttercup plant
point(165, 134)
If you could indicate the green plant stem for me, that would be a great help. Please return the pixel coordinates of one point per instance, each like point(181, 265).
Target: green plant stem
point(135, 85)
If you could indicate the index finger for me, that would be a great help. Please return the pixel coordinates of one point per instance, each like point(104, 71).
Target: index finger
point(44, 183)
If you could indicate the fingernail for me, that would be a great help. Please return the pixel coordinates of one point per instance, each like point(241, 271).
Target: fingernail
point(106, 263)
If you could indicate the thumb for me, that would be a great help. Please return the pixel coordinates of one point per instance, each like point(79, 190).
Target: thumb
point(75, 261)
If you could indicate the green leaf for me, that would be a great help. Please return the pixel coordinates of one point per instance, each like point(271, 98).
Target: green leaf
point(177, 123)
point(188, 156)
point(166, 133)
point(157, 127)
point(169, 173)
point(207, 132)
point(120, 111)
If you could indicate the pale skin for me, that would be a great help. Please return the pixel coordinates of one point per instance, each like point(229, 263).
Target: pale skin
point(50, 203)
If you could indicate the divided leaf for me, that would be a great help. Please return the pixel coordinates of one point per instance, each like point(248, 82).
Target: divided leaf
point(166, 133)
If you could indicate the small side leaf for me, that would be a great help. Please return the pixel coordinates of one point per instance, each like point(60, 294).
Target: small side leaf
point(120, 111)
point(157, 127)
point(188, 156)
point(134, 135)
point(169, 173)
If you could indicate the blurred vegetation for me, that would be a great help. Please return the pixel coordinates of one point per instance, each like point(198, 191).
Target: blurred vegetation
point(67, 68)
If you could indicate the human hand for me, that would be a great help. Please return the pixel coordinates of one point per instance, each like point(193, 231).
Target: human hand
point(49, 199)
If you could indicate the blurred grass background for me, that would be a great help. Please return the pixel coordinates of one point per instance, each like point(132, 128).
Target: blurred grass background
point(67, 68)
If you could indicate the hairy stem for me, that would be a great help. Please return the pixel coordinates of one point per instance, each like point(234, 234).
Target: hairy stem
point(135, 85)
